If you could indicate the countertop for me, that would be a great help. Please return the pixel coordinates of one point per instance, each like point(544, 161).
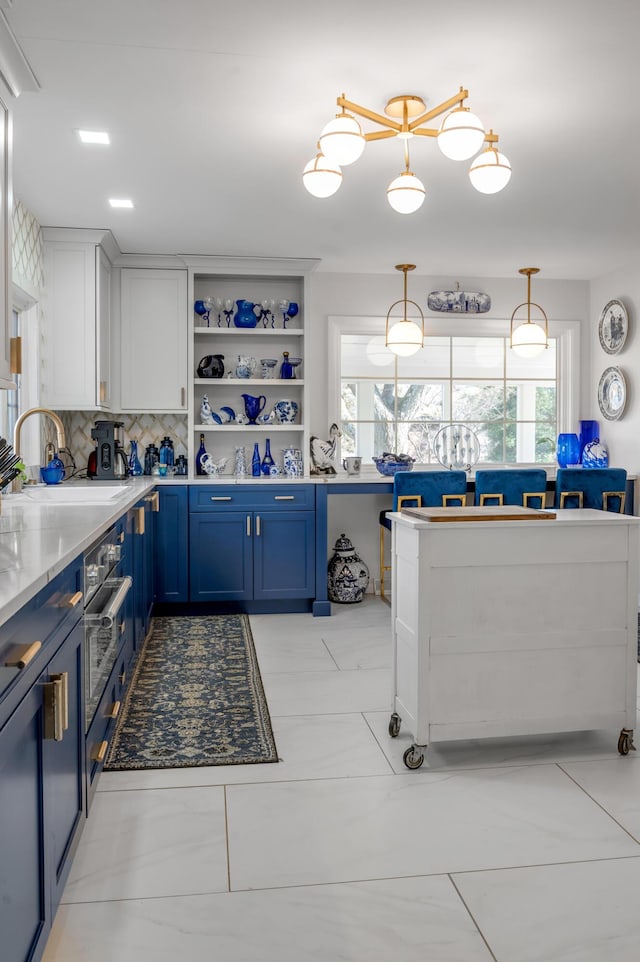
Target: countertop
point(37, 541)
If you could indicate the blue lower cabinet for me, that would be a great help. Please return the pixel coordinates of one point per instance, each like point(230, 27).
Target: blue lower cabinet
point(42, 800)
point(171, 562)
point(248, 543)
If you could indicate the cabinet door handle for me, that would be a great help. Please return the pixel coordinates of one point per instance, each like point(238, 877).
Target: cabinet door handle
point(121, 537)
point(156, 501)
point(248, 526)
point(99, 752)
point(284, 497)
point(63, 678)
point(22, 655)
point(139, 520)
point(219, 498)
point(53, 703)
point(257, 526)
point(114, 711)
point(72, 600)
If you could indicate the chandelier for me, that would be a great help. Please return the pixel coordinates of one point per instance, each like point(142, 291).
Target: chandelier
point(528, 338)
point(404, 337)
point(460, 136)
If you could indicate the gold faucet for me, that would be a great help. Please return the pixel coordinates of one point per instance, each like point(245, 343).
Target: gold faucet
point(57, 423)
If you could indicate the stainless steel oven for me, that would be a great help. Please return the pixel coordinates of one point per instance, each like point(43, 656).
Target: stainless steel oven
point(105, 591)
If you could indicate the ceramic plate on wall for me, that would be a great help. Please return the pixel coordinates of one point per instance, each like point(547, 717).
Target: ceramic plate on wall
point(612, 393)
point(613, 327)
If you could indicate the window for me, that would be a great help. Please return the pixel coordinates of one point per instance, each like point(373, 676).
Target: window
point(514, 405)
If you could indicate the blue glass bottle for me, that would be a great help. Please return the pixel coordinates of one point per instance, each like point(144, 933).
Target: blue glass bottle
point(135, 468)
point(201, 453)
point(267, 461)
point(286, 368)
point(256, 466)
point(167, 454)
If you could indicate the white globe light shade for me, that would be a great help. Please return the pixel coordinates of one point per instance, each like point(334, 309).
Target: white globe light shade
point(321, 177)
point(529, 339)
point(342, 140)
point(404, 338)
point(490, 171)
point(377, 352)
point(461, 134)
point(406, 193)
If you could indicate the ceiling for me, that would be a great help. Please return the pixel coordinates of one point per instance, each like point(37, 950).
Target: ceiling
point(215, 107)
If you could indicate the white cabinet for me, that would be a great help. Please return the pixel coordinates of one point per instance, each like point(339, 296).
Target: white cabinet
point(6, 380)
point(153, 340)
point(76, 327)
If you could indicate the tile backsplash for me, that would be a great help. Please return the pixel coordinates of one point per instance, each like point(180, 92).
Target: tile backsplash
point(144, 428)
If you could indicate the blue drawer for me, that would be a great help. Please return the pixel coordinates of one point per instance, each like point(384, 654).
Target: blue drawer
point(251, 497)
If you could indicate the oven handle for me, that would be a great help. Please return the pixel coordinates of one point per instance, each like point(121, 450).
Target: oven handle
point(109, 614)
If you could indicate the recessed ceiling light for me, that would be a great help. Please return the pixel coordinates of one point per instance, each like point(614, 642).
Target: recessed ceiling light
point(94, 136)
point(120, 202)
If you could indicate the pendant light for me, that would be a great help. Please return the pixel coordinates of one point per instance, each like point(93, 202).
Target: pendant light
point(490, 171)
point(404, 337)
point(529, 338)
point(322, 177)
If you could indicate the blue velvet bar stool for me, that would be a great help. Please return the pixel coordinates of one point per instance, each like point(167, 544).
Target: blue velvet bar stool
point(422, 489)
point(526, 486)
point(601, 488)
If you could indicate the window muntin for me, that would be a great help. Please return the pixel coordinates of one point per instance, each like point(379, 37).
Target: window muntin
point(399, 404)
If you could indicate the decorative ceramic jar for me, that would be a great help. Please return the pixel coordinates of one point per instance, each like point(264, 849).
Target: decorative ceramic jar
point(246, 366)
point(240, 468)
point(211, 365)
point(595, 455)
point(347, 574)
point(286, 411)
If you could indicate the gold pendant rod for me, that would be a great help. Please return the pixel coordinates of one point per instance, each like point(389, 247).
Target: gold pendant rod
point(380, 135)
point(369, 114)
point(440, 109)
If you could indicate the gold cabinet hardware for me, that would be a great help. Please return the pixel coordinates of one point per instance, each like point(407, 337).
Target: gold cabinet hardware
point(63, 678)
point(71, 601)
point(248, 526)
point(122, 627)
point(121, 537)
point(122, 677)
point(284, 497)
point(139, 523)
point(15, 355)
point(103, 392)
point(183, 397)
point(54, 711)
point(98, 754)
point(21, 655)
point(257, 526)
point(114, 710)
point(155, 497)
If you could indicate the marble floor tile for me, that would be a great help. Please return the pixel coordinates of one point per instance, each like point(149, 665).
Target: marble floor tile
point(325, 692)
point(360, 647)
point(584, 912)
point(404, 920)
point(309, 746)
point(614, 784)
point(151, 843)
point(294, 651)
point(400, 825)
point(489, 752)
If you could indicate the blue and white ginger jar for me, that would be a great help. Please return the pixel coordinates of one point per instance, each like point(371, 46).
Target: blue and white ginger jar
point(286, 411)
point(347, 574)
point(595, 455)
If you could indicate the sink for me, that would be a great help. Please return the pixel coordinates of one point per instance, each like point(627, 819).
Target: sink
point(70, 494)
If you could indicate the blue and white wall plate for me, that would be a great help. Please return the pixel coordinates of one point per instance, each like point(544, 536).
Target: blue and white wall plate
point(459, 302)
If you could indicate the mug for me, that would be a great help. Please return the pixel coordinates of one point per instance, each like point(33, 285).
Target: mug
point(352, 465)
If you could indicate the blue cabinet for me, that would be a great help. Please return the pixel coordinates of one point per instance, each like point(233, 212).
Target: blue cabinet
point(42, 786)
point(252, 544)
point(171, 568)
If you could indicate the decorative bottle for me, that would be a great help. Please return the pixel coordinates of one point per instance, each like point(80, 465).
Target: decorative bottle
point(151, 457)
point(256, 468)
point(286, 368)
point(167, 456)
point(240, 470)
point(267, 461)
point(201, 453)
point(135, 468)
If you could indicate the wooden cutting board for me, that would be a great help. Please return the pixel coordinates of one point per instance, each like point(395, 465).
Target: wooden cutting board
point(486, 512)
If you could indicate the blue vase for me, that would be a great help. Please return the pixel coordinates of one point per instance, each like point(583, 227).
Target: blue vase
point(286, 368)
point(267, 461)
point(244, 316)
point(256, 466)
point(135, 468)
point(568, 450)
point(589, 431)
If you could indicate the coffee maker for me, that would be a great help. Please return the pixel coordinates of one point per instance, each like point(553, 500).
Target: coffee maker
point(111, 461)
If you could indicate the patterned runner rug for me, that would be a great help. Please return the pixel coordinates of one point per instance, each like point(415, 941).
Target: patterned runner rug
point(196, 698)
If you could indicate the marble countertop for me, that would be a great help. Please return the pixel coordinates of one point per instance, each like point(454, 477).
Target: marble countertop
point(37, 540)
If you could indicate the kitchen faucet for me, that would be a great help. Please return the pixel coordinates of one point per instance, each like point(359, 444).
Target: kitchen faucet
point(57, 423)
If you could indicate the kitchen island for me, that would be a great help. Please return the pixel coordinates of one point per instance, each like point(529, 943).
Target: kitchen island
point(514, 627)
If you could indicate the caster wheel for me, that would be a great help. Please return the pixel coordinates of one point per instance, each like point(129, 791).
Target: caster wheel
point(394, 725)
point(625, 742)
point(413, 757)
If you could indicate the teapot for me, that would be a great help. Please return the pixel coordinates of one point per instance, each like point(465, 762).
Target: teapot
point(253, 406)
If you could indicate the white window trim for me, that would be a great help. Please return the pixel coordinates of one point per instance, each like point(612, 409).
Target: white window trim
point(567, 334)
